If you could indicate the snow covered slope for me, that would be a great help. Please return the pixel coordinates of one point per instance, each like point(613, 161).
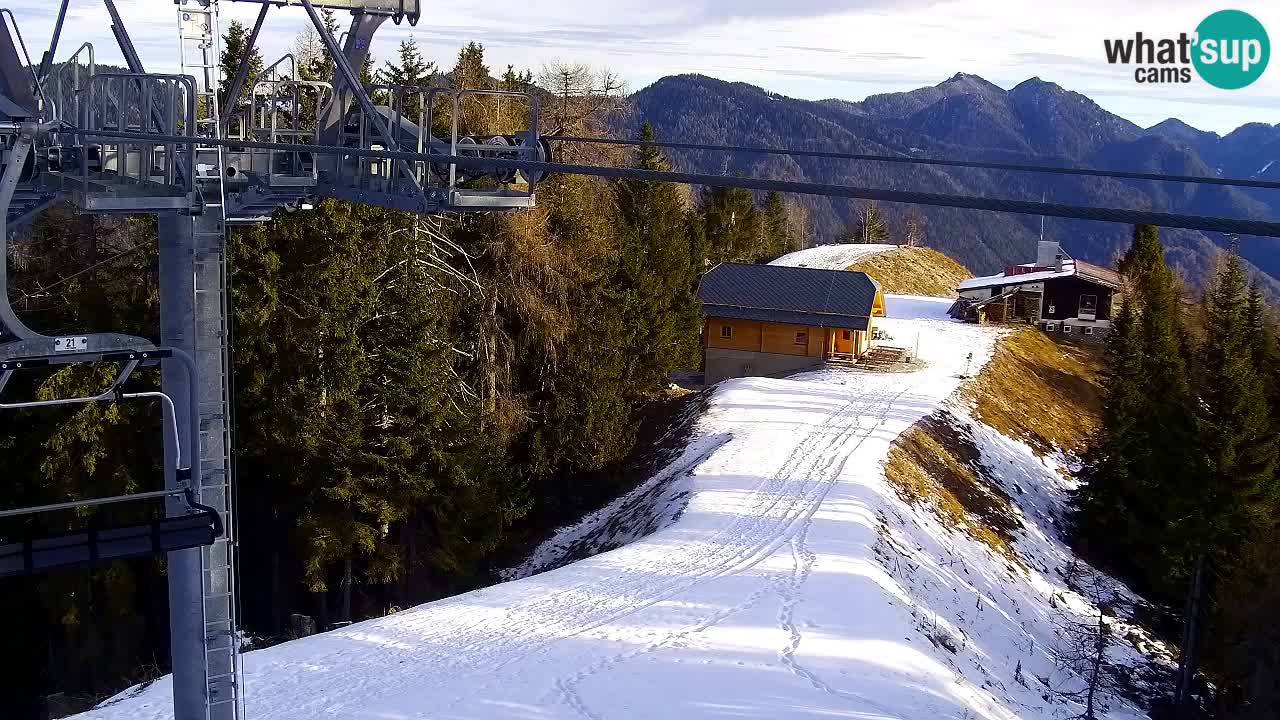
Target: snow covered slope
point(793, 584)
point(831, 257)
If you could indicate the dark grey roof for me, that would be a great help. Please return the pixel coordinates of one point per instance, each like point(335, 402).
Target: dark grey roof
point(796, 295)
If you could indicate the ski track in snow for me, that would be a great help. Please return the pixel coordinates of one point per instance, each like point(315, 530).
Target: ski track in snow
point(765, 598)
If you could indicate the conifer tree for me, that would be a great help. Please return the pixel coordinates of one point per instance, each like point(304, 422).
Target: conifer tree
point(1233, 502)
point(655, 272)
point(775, 227)
point(410, 71)
point(731, 225)
point(235, 43)
point(1112, 495)
point(1234, 423)
point(1146, 460)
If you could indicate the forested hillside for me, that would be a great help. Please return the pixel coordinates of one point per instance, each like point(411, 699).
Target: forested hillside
point(417, 400)
point(969, 118)
point(1181, 493)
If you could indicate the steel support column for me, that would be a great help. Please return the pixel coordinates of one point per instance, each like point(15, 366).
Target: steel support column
point(186, 594)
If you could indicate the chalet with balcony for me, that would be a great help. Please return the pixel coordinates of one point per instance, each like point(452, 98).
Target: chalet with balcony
point(1063, 296)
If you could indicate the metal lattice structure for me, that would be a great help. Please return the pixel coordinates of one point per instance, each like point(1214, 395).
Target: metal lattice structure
point(138, 142)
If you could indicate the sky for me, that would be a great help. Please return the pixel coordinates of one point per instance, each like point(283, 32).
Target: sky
point(811, 49)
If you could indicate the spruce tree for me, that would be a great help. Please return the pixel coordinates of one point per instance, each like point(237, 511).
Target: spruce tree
point(1233, 502)
point(1146, 460)
point(656, 273)
point(776, 227)
point(731, 225)
point(1111, 494)
point(411, 71)
point(1235, 426)
point(235, 43)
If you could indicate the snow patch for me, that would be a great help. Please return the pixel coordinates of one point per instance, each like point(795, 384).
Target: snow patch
point(831, 257)
point(791, 583)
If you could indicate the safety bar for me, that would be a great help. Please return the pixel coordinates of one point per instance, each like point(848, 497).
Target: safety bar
point(132, 360)
point(95, 544)
point(178, 118)
point(8, 368)
point(293, 68)
point(96, 502)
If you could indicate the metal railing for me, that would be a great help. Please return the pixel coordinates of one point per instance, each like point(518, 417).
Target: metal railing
point(152, 104)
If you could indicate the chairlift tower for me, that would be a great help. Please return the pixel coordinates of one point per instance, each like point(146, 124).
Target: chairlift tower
point(137, 142)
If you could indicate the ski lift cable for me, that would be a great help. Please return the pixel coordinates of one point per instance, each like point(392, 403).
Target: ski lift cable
point(902, 159)
point(969, 202)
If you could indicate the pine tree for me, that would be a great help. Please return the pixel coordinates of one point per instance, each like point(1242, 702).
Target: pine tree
point(732, 225)
point(868, 227)
point(471, 73)
point(656, 273)
point(411, 72)
point(1111, 494)
point(775, 228)
point(1234, 501)
point(235, 43)
point(1235, 424)
point(1146, 460)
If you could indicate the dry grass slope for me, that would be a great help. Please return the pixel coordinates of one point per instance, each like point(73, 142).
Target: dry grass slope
point(1041, 392)
point(1034, 390)
point(937, 464)
point(914, 271)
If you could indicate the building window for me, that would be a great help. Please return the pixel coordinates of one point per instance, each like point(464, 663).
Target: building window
point(1050, 327)
point(1088, 331)
point(802, 338)
point(1066, 329)
point(846, 335)
point(1088, 304)
point(726, 332)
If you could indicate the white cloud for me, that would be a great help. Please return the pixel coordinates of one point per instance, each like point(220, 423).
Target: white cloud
point(805, 48)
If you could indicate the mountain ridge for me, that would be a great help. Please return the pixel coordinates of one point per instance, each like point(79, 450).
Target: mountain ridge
point(968, 117)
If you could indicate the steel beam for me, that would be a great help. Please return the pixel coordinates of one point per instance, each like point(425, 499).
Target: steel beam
point(358, 42)
point(228, 104)
point(395, 9)
point(46, 63)
point(186, 591)
point(15, 77)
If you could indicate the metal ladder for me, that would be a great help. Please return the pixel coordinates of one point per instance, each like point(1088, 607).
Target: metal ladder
point(198, 32)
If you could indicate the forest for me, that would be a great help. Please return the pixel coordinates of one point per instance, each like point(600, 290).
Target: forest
point(1181, 495)
point(417, 399)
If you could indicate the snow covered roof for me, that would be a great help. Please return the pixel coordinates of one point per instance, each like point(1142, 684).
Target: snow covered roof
point(1070, 268)
point(793, 295)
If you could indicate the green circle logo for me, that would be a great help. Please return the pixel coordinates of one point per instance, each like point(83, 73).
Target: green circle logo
point(1232, 49)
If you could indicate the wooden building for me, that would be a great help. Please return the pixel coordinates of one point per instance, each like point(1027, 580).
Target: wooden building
point(764, 320)
point(1060, 295)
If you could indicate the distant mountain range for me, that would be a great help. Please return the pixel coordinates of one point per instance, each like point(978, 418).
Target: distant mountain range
point(967, 117)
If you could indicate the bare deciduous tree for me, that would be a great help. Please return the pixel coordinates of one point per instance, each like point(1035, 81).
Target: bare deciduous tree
point(583, 100)
point(1084, 644)
point(916, 227)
